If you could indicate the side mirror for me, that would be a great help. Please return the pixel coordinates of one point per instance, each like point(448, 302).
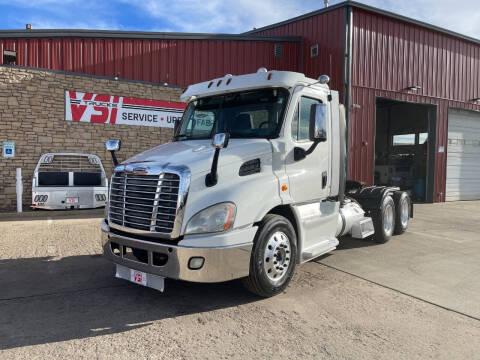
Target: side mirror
point(318, 123)
point(317, 131)
point(220, 140)
point(112, 146)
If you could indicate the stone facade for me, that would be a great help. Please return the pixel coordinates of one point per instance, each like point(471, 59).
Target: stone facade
point(32, 113)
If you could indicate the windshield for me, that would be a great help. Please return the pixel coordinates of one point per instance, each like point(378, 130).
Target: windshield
point(247, 114)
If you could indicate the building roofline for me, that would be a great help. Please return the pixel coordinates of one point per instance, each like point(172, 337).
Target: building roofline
point(144, 35)
point(372, 9)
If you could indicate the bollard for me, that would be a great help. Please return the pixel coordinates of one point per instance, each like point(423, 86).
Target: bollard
point(19, 190)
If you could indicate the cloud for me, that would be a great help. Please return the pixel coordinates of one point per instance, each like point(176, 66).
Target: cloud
point(215, 16)
point(461, 16)
point(58, 14)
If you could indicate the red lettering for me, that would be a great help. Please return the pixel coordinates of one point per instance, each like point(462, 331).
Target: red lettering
point(103, 117)
point(78, 110)
point(113, 113)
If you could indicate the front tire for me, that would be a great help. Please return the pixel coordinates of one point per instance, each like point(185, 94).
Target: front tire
point(273, 258)
point(384, 220)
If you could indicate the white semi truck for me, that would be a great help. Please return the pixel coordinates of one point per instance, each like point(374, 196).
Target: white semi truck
point(253, 184)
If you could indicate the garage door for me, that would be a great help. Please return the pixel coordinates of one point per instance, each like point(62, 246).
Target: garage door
point(463, 156)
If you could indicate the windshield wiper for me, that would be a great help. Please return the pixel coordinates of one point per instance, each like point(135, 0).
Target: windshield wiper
point(177, 137)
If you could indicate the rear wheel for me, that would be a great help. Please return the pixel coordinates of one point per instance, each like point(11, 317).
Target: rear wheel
point(273, 257)
point(402, 212)
point(384, 220)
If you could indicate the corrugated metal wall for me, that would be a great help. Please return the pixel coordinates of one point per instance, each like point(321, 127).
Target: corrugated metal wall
point(326, 30)
point(388, 56)
point(178, 62)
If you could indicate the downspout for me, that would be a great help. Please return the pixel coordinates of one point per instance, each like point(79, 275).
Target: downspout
point(348, 77)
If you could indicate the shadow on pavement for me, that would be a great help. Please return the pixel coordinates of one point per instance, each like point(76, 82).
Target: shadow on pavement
point(348, 242)
point(43, 300)
point(41, 214)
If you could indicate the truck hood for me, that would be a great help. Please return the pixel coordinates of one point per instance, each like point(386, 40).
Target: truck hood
point(198, 154)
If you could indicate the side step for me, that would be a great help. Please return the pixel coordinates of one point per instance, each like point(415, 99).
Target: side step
point(321, 248)
point(362, 228)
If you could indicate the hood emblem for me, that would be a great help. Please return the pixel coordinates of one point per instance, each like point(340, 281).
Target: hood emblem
point(136, 170)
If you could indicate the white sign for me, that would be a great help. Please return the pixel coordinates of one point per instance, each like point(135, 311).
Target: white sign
point(8, 149)
point(110, 109)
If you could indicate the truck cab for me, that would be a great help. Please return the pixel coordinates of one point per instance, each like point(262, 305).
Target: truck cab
point(253, 183)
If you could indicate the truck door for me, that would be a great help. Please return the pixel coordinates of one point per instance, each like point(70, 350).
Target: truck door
point(309, 178)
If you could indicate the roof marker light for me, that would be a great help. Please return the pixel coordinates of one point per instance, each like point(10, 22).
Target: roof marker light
point(269, 76)
point(219, 82)
point(414, 87)
point(324, 79)
point(229, 81)
point(210, 85)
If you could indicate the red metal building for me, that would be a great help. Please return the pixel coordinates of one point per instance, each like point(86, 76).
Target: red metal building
point(407, 85)
point(378, 55)
point(175, 58)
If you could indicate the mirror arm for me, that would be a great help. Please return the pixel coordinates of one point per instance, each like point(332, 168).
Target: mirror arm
point(114, 158)
point(212, 177)
point(300, 153)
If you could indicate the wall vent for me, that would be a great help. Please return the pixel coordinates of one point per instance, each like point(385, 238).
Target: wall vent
point(278, 51)
point(314, 51)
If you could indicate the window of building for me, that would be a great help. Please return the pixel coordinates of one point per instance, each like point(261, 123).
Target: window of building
point(404, 139)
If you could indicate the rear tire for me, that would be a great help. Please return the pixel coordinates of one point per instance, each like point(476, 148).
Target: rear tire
point(273, 258)
point(402, 212)
point(384, 220)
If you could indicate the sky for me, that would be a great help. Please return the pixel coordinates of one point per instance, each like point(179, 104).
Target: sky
point(214, 16)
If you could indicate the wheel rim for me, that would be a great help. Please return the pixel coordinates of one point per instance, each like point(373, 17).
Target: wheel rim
point(276, 259)
point(404, 215)
point(388, 219)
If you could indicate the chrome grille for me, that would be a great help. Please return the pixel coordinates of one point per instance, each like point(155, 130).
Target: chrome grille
point(144, 202)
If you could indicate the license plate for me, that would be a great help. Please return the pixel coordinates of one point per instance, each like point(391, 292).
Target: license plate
point(138, 277)
point(71, 200)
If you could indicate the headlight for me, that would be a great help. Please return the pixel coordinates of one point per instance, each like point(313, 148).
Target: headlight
point(219, 217)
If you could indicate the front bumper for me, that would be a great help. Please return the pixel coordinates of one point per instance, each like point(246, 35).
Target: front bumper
point(220, 263)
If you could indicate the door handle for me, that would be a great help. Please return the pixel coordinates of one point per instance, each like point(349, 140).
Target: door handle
point(324, 179)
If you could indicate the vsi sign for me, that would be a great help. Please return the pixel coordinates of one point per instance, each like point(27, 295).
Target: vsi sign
point(110, 109)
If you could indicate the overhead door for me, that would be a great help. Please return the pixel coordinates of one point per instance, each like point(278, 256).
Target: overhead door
point(463, 156)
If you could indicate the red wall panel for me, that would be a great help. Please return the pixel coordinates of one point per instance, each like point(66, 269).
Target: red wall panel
point(179, 62)
point(326, 30)
point(388, 56)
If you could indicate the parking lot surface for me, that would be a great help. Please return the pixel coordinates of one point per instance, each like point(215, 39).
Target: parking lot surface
point(58, 298)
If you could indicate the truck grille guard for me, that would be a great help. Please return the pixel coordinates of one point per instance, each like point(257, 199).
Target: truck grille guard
point(148, 200)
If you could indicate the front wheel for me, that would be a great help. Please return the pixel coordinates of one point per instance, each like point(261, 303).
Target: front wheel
point(273, 258)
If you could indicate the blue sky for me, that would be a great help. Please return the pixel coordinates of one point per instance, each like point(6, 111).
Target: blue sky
point(219, 16)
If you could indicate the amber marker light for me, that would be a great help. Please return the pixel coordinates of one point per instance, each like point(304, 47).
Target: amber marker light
point(229, 218)
point(284, 188)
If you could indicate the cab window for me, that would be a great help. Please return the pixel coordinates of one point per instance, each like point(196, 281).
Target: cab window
point(301, 118)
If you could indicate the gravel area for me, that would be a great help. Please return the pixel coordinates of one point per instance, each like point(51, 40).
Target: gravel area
point(59, 299)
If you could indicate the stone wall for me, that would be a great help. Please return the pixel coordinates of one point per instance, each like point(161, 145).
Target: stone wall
point(32, 113)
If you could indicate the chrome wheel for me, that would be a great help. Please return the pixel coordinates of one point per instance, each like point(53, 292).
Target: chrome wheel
point(277, 256)
point(404, 215)
point(388, 219)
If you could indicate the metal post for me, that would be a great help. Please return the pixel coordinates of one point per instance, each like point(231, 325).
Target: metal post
point(19, 190)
